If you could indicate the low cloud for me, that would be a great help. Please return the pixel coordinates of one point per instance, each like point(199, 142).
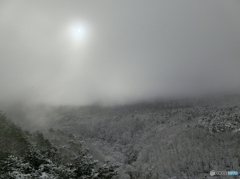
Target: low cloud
point(134, 51)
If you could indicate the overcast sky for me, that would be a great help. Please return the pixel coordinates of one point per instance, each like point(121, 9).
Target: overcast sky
point(83, 52)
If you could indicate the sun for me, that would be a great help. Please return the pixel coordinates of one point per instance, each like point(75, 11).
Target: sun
point(82, 31)
point(79, 31)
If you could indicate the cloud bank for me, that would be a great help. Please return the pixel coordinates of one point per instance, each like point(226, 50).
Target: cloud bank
point(138, 50)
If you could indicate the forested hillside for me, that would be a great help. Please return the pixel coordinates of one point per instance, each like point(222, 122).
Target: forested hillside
point(183, 139)
point(25, 155)
point(178, 139)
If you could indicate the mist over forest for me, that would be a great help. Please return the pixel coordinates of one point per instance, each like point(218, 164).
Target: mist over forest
point(119, 89)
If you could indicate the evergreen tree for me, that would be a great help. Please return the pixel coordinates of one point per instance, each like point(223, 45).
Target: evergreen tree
point(31, 156)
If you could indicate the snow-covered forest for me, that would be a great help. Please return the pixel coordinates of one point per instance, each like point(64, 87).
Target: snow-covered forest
point(171, 139)
point(25, 155)
point(115, 89)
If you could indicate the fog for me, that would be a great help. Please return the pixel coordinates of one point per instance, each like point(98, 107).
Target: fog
point(129, 51)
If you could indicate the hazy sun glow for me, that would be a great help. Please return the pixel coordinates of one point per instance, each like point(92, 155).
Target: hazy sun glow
point(79, 31)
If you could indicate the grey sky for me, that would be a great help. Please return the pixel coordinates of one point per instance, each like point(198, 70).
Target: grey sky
point(133, 50)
